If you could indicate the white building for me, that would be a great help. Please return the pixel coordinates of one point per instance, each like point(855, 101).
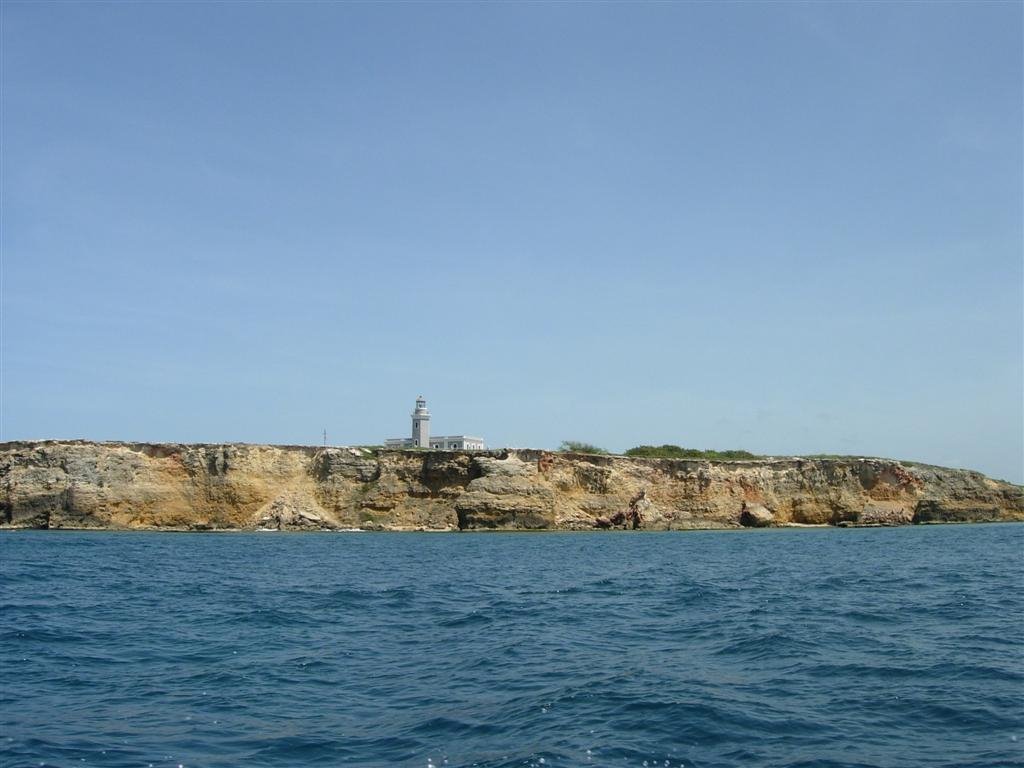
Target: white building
point(421, 435)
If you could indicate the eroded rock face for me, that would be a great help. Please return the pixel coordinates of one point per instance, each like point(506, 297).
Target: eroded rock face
point(506, 493)
point(77, 484)
point(755, 515)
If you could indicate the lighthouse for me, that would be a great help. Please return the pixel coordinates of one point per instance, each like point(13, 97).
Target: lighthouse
point(421, 424)
point(421, 435)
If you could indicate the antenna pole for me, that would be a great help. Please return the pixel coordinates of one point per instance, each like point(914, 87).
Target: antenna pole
point(325, 438)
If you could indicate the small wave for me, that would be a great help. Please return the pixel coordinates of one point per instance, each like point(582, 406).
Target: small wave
point(774, 645)
point(471, 619)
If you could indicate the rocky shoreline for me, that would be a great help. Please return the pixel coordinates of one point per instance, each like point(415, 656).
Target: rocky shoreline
point(145, 486)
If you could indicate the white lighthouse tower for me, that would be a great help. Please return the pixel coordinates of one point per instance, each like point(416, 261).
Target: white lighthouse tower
point(421, 424)
point(421, 435)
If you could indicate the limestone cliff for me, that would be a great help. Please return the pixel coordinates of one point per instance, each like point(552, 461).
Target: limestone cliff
point(77, 484)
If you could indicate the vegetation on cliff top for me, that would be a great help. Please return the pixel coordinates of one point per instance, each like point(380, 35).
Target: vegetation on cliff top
point(575, 446)
point(677, 452)
point(659, 452)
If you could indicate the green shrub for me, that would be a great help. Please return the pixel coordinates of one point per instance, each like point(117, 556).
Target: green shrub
point(574, 446)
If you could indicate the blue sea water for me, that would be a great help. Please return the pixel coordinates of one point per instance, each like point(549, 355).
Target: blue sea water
point(881, 647)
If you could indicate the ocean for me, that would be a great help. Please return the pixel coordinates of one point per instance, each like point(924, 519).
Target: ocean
point(824, 647)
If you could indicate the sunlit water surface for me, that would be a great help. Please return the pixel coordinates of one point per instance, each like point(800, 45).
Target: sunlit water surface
point(898, 647)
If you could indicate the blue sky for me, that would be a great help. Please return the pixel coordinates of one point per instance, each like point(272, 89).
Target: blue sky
point(788, 228)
